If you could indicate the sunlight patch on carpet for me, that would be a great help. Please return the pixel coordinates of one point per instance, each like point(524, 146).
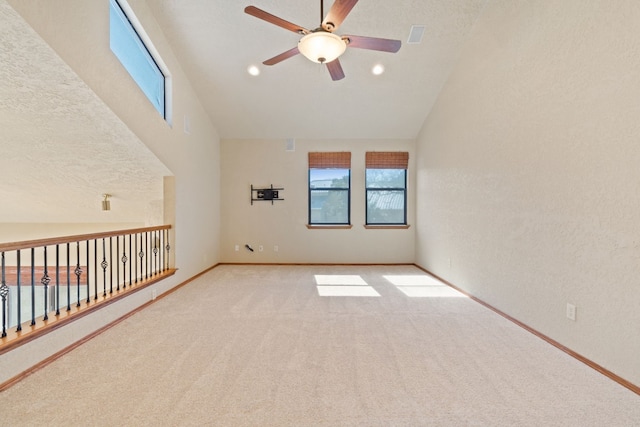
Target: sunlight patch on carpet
point(341, 285)
point(340, 279)
point(423, 286)
point(347, 291)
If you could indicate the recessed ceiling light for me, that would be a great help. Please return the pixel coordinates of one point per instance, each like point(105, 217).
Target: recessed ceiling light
point(253, 70)
point(377, 69)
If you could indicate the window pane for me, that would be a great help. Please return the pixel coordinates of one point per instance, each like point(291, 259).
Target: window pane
point(134, 56)
point(328, 178)
point(385, 178)
point(329, 207)
point(385, 206)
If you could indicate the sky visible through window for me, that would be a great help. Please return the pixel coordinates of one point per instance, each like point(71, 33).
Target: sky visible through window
point(126, 44)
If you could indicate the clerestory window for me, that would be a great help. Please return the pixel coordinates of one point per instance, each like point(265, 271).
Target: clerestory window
point(132, 47)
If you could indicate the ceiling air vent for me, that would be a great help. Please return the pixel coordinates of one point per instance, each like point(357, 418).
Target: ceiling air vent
point(415, 34)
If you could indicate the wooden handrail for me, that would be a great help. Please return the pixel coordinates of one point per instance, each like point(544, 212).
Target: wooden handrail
point(28, 244)
point(103, 274)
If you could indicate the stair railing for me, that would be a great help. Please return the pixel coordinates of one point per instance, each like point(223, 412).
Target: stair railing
point(48, 282)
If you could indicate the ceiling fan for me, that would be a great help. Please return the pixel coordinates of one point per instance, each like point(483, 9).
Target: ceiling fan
point(322, 45)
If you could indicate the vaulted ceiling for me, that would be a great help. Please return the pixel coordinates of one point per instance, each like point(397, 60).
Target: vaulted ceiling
point(215, 42)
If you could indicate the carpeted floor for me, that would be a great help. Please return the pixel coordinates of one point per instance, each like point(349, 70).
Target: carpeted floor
point(260, 346)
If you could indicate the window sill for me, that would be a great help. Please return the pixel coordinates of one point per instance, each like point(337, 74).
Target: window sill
point(387, 227)
point(328, 226)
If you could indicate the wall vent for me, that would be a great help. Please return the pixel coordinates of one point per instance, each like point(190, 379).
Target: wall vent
point(415, 34)
point(291, 144)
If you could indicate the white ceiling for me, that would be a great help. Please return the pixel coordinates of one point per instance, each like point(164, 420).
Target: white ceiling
point(215, 42)
point(45, 125)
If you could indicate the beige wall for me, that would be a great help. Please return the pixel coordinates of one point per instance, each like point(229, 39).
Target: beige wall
point(79, 33)
point(78, 30)
point(283, 224)
point(528, 173)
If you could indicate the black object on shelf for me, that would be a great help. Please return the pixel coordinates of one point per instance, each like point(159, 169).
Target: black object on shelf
point(265, 194)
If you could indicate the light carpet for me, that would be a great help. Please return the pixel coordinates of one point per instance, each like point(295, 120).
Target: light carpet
point(260, 346)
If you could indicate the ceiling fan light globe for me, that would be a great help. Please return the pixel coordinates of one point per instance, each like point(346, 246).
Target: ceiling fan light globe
point(321, 46)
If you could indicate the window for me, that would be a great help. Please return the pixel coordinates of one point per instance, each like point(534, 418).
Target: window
point(329, 188)
point(126, 42)
point(386, 188)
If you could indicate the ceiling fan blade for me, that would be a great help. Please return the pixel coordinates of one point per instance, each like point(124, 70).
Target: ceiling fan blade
point(373, 43)
point(335, 69)
point(284, 55)
point(266, 16)
point(337, 13)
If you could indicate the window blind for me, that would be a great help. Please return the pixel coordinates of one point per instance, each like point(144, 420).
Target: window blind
point(387, 159)
point(341, 159)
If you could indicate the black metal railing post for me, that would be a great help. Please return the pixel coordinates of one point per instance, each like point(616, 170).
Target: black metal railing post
point(118, 264)
point(141, 255)
point(45, 286)
point(18, 292)
point(4, 292)
point(78, 272)
point(146, 251)
point(87, 275)
point(33, 287)
point(110, 265)
point(155, 253)
point(57, 280)
point(124, 262)
point(104, 264)
point(68, 277)
point(168, 247)
point(131, 262)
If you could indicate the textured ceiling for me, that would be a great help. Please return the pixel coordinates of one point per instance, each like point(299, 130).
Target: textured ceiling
point(51, 119)
point(216, 41)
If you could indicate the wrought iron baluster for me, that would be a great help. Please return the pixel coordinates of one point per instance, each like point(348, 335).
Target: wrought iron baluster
point(104, 264)
point(95, 268)
point(163, 254)
point(33, 287)
point(18, 293)
point(141, 255)
point(4, 291)
point(160, 263)
point(168, 247)
point(68, 277)
point(57, 280)
point(110, 265)
point(87, 275)
point(155, 253)
point(134, 254)
point(78, 272)
point(45, 284)
point(131, 263)
point(117, 264)
point(146, 251)
point(124, 263)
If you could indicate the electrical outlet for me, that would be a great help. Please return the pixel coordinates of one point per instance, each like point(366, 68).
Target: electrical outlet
point(260, 248)
point(237, 248)
point(571, 312)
